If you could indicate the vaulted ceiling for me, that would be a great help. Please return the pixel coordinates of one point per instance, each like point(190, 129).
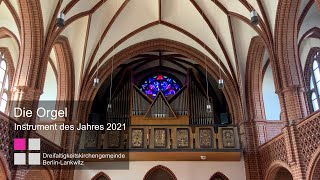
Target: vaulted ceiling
point(98, 29)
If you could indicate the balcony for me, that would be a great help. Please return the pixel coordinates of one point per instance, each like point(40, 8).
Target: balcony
point(167, 142)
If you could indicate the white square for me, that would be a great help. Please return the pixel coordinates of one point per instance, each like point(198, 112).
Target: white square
point(33, 144)
point(34, 158)
point(19, 159)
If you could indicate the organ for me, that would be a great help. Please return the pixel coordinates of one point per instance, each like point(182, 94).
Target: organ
point(162, 113)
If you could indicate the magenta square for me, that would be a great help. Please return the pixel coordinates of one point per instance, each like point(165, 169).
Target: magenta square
point(19, 144)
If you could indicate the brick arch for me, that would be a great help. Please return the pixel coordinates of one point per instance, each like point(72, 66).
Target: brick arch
point(230, 91)
point(32, 43)
point(313, 169)
point(312, 33)
point(164, 169)
point(274, 168)
point(254, 78)
point(99, 175)
point(65, 69)
point(40, 172)
point(4, 168)
point(219, 175)
point(4, 32)
point(288, 66)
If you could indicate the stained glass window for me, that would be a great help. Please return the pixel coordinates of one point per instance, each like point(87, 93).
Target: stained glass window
point(167, 84)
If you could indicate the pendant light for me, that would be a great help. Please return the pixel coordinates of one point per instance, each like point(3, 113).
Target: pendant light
point(109, 107)
point(60, 19)
point(254, 19)
point(208, 106)
point(220, 81)
point(96, 80)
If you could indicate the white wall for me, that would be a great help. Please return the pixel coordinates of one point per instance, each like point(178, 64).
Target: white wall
point(50, 88)
point(270, 98)
point(183, 170)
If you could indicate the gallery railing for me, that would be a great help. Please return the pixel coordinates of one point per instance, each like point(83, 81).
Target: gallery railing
point(165, 138)
point(308, 137)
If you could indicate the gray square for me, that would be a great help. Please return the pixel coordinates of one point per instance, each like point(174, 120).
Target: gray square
point(34, 159)
point(19, 159)
point(34, 144)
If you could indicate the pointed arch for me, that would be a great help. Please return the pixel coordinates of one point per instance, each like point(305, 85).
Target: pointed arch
point(42, 171)
point(254, 77)
point(278, 166)
point(220, 175)
point(4, 32)
point(65, 69)
point(4, 168)
point(231, 91)
point(313, 169)
point(101, 176)
point(155, 172)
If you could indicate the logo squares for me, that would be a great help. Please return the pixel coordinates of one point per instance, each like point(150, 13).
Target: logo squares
point(20, 145)
point(34, 158)
point(34, 144)
point(19, 159)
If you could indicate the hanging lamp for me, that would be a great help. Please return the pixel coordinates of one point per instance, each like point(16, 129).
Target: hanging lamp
point(109, 107)
point(254, 19)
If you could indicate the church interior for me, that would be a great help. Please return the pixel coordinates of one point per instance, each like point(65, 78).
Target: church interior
point(165, 89)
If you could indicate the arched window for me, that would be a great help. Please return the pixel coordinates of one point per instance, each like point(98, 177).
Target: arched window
point(101, 176)
point(315, 82)
point(160, 173)
point(168, 84)
point(4, 84)
point(218, 176)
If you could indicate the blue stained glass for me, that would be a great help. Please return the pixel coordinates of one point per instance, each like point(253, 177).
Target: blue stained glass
point(165, 83)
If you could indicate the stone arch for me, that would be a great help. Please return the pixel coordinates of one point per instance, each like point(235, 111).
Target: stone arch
point(313, 169)
point(40, 171)
point(101, 176)
point(279, 170)
point(160, 172)
point(219, 176)
point(254, 77)
point(231, 91)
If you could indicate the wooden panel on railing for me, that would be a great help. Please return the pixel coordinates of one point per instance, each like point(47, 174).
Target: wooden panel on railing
point(173, 140)
point(205, 138)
